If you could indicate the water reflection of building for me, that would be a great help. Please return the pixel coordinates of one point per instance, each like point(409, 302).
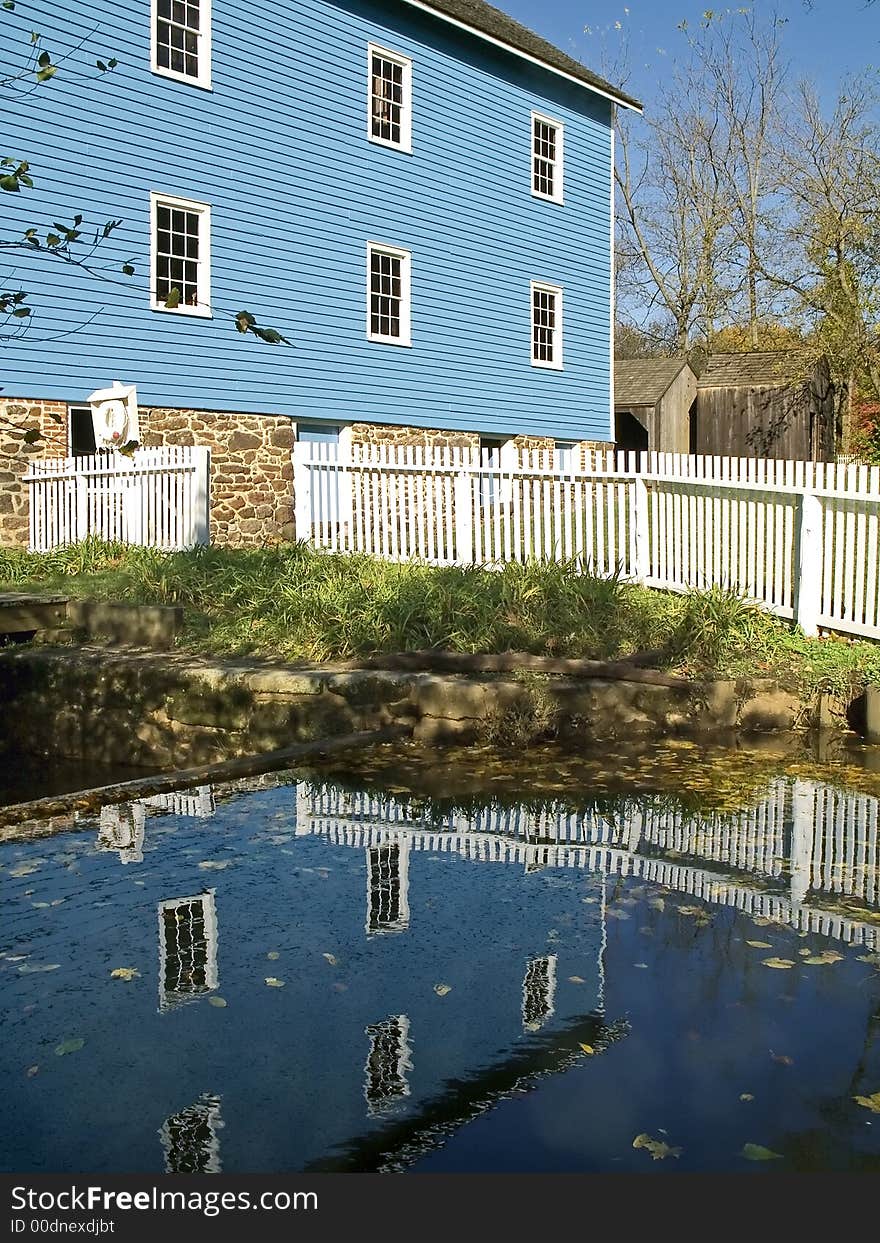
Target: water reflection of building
point(189, 1138)
point(539, 992)
point(388, 886)
point(187, 949)
point(388, 1061)
point(122, 826)
point(787, 858)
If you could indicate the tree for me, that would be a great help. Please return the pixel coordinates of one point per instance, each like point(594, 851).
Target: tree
point(830, 227)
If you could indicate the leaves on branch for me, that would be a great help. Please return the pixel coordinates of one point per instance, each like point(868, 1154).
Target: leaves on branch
point(246, 322)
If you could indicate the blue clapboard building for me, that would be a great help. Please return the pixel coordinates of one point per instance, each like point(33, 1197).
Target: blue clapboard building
point(416, 193)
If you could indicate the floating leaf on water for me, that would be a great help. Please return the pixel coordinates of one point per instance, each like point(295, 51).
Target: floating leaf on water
point(614, 913)
point(31, 1071)
point(824, 958)
point(642, 965)
point(782, 1059)
point(40, 906)
point(58, 901)
point(657, 904)
point(31, 968)
point(442, 989)
point(214, 865)
point(273, 954)
point(576, 979)
point(760, 945)
point(23, 869)
point(332, 959)
point(658, 1148)
point(746, 1096)
point(273, 982)
point(761, 921)
point(591, 901)
point(690, 910)
point(219, 1002)
point(587, 1048)
point(869, 1102)
point(757, 1152)
point(781, 964)
point(124, 973)
point(69, 1046)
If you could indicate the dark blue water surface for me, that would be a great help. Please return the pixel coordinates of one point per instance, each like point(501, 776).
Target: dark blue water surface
point(325, 978)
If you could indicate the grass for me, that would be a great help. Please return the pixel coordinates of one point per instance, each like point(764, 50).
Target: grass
point(289, 602)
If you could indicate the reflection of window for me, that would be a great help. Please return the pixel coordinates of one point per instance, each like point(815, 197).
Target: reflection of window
point(539, 992)
point(390, 99)
point(187, 949)
point(388, 887)
point(189, 1138)
point(387, 1063)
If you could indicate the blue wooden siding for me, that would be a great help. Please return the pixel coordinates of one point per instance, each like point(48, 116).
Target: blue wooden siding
point(278, 148)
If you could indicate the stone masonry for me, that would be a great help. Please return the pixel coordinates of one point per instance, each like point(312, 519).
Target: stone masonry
point(16, 418)
point(251, 469)
point(251, 464)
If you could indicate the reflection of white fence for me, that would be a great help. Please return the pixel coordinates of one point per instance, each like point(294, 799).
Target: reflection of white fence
point(801, 538)
point(813, 839)
point(156, 497)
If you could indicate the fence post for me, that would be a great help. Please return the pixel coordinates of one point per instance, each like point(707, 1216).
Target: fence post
point(808, 569)
point(302, 491)
point(80, 483)
point(641, 566)
point(201, 500)
point(464, 519)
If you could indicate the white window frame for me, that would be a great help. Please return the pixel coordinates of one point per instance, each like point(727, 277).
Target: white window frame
point(546, 287)
point(405, 62)
point(558, 195)
point(405, 257)
point(202, 309)
point(203, 79)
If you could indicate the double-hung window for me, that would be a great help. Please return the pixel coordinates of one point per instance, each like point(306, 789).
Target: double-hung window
point(389, 120)
point(181, 40)
point(388, 294)
point(546, 325)
point(547, 144)
point(180, 255)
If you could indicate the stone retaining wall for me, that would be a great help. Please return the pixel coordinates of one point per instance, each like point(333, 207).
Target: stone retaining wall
point(156, 711)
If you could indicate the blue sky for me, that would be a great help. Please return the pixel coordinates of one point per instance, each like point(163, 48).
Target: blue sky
point(835, 37)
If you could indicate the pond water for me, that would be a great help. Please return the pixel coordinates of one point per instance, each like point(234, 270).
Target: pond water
point(543, 969)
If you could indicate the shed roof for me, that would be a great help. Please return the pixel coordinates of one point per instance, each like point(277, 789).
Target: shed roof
point(643, 381)
point(492, 23)
point(758, 369)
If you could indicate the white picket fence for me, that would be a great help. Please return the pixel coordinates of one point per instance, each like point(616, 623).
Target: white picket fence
point(157, 497)
point(799, 538)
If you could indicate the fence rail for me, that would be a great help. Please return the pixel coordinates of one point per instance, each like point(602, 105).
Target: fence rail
point(156, 497)
point(800, 538)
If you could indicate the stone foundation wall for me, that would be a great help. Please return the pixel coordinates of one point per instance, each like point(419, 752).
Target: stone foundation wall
point(251, 468)
point(17, 416)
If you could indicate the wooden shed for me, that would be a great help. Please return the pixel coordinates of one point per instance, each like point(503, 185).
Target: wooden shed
point(654, 404)
point(775, 404)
